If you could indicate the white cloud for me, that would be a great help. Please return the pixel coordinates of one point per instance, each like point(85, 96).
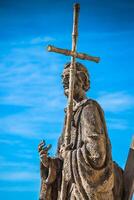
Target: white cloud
point(21, 188)
point(30, 78)
point(18, 171)
point(117, 124)
point(34, 41)
point(39, 40)
point(17, 165)
point(116, 101)
point(31, 122)
point(19, 176)
point(9, 142)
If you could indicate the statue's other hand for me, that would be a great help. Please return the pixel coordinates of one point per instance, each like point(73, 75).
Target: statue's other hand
point(43, 152)
point(64, 149)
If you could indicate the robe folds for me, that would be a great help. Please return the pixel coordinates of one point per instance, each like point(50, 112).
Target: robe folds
point(86, 171)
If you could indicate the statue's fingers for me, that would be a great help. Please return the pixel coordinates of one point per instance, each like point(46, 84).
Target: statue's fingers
point(40, 148)
point(43, 156)
point(46, 148)
point(43, 141)
point(43, 152)
point(49, 147)
point(41, 145)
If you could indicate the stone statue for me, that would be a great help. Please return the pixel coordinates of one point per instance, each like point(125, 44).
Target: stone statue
point(83, 169)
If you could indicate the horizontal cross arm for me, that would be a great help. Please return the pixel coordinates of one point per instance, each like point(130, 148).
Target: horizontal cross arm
point(66, 52)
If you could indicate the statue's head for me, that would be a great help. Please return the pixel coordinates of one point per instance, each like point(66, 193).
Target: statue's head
point(82, 81)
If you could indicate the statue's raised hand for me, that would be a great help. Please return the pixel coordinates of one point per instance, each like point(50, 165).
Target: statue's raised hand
point(43, 152)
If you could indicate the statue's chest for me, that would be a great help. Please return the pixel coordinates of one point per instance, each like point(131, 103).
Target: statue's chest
point(75, 135)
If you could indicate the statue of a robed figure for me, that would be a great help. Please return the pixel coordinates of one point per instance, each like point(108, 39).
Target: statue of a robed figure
point(83, 168)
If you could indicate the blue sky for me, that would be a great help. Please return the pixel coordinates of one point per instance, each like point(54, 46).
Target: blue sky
point(31, 94)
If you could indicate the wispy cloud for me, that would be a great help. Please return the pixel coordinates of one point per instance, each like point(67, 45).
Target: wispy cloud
point(30, 122)
point(117, 124)
point(34, 41)
point(16, 165)
point(19, 176)
point(21, 188)
point(116, 101)
point(25, 126)
point(28, 77)
point(39, 40)
point(18, 172)
point(9, 142)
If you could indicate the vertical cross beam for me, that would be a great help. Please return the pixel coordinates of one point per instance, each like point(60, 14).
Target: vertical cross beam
point(72, 73)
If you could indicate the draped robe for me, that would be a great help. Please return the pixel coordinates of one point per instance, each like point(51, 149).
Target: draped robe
point(86, 171)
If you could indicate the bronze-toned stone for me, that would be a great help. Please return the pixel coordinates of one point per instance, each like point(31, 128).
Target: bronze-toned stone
point(83, 168)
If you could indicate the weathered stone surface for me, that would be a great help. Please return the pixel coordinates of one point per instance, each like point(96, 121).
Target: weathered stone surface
point(83, 169)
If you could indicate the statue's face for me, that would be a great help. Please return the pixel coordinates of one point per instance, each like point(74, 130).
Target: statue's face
point(78, 85)
point(65, 81)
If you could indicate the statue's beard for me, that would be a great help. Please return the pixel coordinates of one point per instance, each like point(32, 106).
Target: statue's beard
point(77, 93)
point(66, 91)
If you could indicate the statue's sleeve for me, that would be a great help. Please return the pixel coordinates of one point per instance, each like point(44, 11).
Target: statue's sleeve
point(50, 179)
point(93, 136)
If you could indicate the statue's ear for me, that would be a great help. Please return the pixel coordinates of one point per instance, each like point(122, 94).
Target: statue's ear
point(84, 79)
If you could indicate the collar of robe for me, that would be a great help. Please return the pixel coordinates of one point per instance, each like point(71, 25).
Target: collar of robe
point(77, 105)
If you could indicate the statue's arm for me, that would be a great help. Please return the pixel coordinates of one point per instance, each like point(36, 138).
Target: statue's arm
point(93, 135)
point(50, 178)
point(50, 166)
point(52, 171)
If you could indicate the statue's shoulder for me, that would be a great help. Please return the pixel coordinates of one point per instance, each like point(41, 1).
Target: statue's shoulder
point(91, 103)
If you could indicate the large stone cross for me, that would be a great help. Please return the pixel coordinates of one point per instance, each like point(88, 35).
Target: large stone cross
point(74, 54)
